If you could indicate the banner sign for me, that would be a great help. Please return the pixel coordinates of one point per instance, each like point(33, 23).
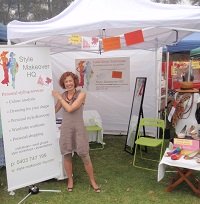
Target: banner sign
point(134, 37)
point(112, 43)
point(195, 64)
point(179, 68)
point(90, 43)
point(104, 74)
point(28, 116)
point(75, 39)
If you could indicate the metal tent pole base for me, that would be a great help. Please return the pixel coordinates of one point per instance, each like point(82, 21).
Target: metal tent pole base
point(35, 190)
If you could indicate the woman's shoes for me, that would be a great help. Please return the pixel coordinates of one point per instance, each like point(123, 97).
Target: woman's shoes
point(96, 190)
point(69, 189)
point(70, 185)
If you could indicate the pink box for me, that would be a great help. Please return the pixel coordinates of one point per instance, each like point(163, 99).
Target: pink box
point(187, 144)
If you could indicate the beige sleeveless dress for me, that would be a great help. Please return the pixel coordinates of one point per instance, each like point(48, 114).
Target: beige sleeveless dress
point(73, 136)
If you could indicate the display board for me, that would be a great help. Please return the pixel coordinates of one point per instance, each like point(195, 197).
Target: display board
point(136, 113)
point(28, 116)
point(104, 74)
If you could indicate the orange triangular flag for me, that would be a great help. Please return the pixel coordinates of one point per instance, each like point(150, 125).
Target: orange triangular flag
point(134, 37)
point(112, 43)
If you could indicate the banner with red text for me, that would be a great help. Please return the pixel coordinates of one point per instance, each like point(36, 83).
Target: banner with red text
point(28, 116)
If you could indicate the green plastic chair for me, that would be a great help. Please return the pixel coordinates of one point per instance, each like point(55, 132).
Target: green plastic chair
point(149, 141)
point(95, 128)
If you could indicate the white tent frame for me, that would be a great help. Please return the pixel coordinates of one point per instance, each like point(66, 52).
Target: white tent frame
point(159, 31)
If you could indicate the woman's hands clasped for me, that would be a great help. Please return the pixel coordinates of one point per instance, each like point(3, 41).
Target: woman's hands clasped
point(57, 95)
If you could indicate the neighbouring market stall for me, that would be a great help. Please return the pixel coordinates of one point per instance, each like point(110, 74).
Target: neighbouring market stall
point(3, 34)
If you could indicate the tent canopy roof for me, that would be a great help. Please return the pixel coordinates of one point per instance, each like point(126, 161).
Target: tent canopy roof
point(159, 23)
point(186, 44)
point(3, 32)
point(195, 52)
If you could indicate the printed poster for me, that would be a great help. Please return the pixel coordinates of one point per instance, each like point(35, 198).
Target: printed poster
point(104, 74)
point(28, 116)
point(89, 43)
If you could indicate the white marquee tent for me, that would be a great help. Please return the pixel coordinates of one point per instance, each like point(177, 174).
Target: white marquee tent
point(161, 25)
point(159, 22)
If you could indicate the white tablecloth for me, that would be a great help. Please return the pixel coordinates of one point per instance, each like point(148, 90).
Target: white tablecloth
point(183, 163)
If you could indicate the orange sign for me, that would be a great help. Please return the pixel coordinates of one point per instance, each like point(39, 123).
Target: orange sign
point(112, 43)
point(116, 74)
point(134, 37)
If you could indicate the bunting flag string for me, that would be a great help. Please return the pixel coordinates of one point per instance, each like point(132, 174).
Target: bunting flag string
point(110, 43)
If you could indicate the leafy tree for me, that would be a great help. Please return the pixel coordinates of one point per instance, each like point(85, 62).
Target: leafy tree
point(192, 2)
point(167, 1)
point(39, 10)
point(31, 10)
point(195, 2)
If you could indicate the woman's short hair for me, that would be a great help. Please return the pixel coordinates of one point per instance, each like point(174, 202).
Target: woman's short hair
point(66, 74)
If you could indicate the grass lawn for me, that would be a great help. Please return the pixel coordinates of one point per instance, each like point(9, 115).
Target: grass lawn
point(119, 180)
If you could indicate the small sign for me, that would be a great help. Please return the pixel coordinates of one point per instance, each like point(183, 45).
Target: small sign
point(187, 144)
point(89, 43)
point(75, 39)
point(134, 37)
point(195, 64)
point(112, 43)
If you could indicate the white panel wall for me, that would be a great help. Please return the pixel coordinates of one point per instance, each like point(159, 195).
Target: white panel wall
point(114, 108)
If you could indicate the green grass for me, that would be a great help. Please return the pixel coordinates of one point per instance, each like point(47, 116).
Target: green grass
point(121, 183)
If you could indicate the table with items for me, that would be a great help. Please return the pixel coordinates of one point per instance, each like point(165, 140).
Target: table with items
point(185, 166)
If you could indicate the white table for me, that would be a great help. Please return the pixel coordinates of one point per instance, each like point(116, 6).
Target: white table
point(184, 170)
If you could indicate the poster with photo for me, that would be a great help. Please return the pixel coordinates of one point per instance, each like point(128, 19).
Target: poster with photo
point(28, 116)
point(104, 74)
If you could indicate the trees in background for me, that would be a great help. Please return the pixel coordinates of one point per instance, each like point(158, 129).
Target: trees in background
point(30, 10)
point(39, 10)
point(192, 2)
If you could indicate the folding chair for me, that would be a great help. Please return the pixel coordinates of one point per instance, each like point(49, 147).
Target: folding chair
point(97, 129)
point(93, 125)
point(143, 140)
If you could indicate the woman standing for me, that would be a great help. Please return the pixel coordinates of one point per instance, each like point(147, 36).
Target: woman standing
point(73, 137)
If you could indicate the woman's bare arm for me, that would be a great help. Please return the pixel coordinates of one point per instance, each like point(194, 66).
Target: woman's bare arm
point(69, 107)
point(58, 106)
